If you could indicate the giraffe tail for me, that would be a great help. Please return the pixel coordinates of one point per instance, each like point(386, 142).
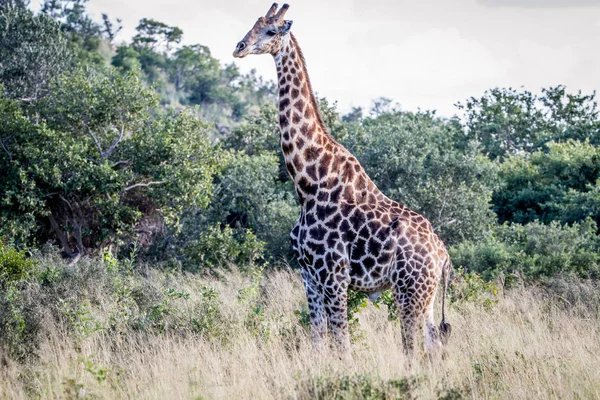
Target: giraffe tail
point(445, 328)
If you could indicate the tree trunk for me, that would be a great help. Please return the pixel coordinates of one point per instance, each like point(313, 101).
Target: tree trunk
point(64, 241)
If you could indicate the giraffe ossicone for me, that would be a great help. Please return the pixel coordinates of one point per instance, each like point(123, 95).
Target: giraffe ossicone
point(349, 234)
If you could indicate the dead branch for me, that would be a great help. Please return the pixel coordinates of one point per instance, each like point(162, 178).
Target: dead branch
point(453, 220)
point(141, 184)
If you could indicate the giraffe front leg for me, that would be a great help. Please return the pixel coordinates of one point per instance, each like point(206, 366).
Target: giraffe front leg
point(316, 309)
point(336, 304)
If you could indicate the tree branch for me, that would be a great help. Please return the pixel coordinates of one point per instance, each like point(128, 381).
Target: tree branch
point(76, 225)
point(121, 162)
point(143, 185)
point(6, 150)
point(64, 242)
point(116, 141)
point(95, 141)
point(453, 220)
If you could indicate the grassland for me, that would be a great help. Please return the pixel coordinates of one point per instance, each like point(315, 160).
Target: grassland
point(99, 332)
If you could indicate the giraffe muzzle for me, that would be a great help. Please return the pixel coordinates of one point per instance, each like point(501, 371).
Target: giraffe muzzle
point(240, 50)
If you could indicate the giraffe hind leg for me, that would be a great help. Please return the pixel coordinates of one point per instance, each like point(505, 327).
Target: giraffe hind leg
point(410, 318)
point(433, 341)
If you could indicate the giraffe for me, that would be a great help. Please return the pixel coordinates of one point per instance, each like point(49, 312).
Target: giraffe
point(349, 234)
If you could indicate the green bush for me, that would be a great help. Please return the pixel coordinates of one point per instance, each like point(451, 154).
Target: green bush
point(15, 265)
point(534, 250)
point(470, 287)
point(222, 247)
point(355, 387)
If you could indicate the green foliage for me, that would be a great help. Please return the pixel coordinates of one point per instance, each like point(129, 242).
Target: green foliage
point(534, 250)
point(249, 194)
point(222, 247)
point(100, 164)
point(106, 298)
point(414, 159)
point(32, 52)
point(510, 122)
point(357, 301)
point(470, 287)
point(152, 33)
point(190, 75)
point(355, 387)
point(15, 265)
point(84, 34)
point(560, 184)
point(257, 135)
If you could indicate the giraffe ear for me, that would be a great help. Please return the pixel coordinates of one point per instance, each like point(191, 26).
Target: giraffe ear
point(287, 26)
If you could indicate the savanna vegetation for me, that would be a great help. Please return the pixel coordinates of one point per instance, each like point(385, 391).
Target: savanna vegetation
point(145, 213)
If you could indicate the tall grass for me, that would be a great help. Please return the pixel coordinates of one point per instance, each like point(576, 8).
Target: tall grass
point(94, 332)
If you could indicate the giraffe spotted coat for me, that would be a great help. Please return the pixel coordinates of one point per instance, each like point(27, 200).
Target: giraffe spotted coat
point(349, 234)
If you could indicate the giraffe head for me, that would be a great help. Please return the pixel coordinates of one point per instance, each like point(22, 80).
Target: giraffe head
point(266, 36)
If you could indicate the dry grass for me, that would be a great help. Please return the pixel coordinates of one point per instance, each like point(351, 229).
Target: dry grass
point(527, 346)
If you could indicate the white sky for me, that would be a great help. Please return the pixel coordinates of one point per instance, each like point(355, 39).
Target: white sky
point(426, 54)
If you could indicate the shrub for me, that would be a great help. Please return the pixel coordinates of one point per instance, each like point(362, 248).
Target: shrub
point(534, 250)
point(15, 266)
point(222, 247)
point(355, 387)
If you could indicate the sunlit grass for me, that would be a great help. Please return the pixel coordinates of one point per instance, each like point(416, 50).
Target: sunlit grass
point(528, 345)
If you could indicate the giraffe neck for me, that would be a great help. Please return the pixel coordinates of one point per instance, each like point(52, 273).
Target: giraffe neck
point(305, 141)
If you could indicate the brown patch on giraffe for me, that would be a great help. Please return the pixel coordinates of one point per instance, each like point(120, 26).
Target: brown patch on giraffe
point(308, 114)
point(348, 195)
point(298, 163)
point(305, 91)
point(296, 118)
point(283, 104)
point(347, 172)
point(311, 153)
point(283, 121)
point(324, 165)
point(300, 143)
point(307, 187)
point(360, 182)
point(311, 171)
point(300, 105)
point(290, 169)
point(296, 81)
point(287, 148)
point(295, 93)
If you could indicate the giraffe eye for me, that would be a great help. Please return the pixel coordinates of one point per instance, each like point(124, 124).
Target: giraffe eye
point(271, 33)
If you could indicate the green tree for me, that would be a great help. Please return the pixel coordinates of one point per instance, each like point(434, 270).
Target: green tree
point(99, 168)
point(85, 35)
point(414, 158)
point(509, 122)
point(32, 52)
point(533, 251)
point(559, 183)
point(155, 34)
